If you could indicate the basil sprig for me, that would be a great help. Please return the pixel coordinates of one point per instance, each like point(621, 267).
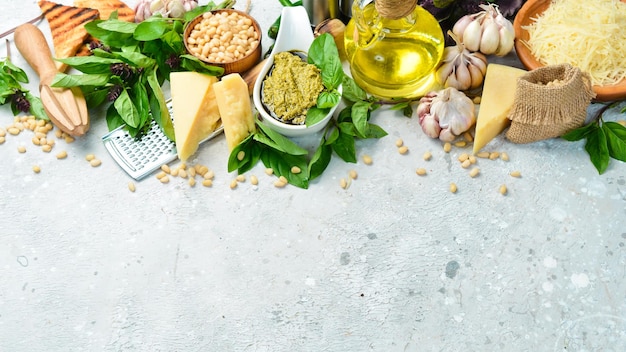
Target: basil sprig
point(12, 92)
point(338, 138)
point(129, 66)
point(604, 139)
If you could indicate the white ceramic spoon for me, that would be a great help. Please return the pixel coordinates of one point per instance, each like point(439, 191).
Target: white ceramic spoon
point(295, 33)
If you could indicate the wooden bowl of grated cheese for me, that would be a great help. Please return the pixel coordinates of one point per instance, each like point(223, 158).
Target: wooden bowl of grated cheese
point(587, 34)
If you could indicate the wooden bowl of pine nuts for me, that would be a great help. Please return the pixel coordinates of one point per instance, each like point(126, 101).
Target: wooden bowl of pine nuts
point(226, 38)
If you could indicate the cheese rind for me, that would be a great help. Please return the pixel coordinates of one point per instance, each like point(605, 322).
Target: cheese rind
point(194, 109)
point(495, 103)
point(235, 108)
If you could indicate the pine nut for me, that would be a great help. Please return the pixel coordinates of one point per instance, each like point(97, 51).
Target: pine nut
point(36, 169)
point(241, 155)
point(14, 131)
point(295, 170)
point(403, 150)
point(483, 155)
point(420, 171)
point(21, 149)
point(241, 178)
point(269, 171)
point(279, 184)
point(69, 139)
point(367, 159)
point(62, 155)
point(254, 180)
point(160, 175)
point(165, 168)
point(447, 147)
point(468, 137)
point(207, 182)
point(182, 173)
point(472, 159)
point(453, 187)
point(353, 175)
point(233, 184)
point(283, 179)
point(2, 139)
point(460, 144)
point(90, 157)
point(474, 172)
point(427, 156)
point(164, 179)
point(343, 183)
point(503, 191)
point(192, 182)
point(463, 157)
point(46, 148)
point(95, 162)
point(504, 156)
point(516, 174)
point(466, 164)
point(131, 187)
point(209, 175)
point(3, 132)
point(494, 155)
point(399, 142)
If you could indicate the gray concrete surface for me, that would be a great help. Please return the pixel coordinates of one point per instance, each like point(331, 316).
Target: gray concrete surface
point(393, 263)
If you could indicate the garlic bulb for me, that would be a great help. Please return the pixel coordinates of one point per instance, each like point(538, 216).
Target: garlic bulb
point(487, 31)
point(167, 8)
point(446, 114)
point(460, 68)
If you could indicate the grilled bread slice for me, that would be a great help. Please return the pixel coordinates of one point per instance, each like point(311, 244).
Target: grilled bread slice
point(67, 25)
point(106, 7)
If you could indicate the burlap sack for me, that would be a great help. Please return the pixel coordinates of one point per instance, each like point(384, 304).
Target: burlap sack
point(549, 102)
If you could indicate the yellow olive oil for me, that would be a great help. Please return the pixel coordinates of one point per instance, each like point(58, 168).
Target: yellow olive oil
point(393, 58)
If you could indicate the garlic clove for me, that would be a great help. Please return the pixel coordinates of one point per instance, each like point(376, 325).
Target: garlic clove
point(507, 40)
point(446, 135)
point(490, 37)
point(463, 77)
point(471, 36)
point(430, 126)
point(459, 27)
point(444, 71)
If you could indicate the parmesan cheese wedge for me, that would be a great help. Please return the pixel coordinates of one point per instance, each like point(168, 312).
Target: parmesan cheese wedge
point(495, 103)
point(235, 108)
point(194, 109)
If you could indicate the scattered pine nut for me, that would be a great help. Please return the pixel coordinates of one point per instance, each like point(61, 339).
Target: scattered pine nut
point(504, 156)
point(468, 137)
point(160, 175)
point(283, 179)
point(343, 183)
point(131, 187)
point(21, 149)
point(279, 183)
point(35, 141)
point(43, 140)
point(466, 164)
point(403, 150)
point(241, 155)
point(427, 156)
point(192, 182)
point(57, 133)
point(233, 184)
point(353, 175)
point(367, 159)
point(69, 139)
point(2, 139)
point(165, 168)
point(207, 182)
point(182, 173)
point(447, 147)
point(174, 172)
point(46, 148)
point(36, 169)
point(14, 131)
point(463, 157)
point(399, 142)
point(269, 171)
point(420, 171)
point(503, 191)
point(3, 132)
point(477, 99)
point(295, 170)
point(483, 155)
point(62, 155)
point(460, 144)
point(453, 187)
point(494, 155)
point(90, 157)
point(474, 172)
point(164, 179)
point(254, 180)
point(516, 174)
point(95, 162)
point(191, 172)
point(241, 178)
point(209, 175)
point(472, 159)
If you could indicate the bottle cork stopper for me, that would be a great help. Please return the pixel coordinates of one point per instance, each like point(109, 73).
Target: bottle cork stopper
point(395, 9)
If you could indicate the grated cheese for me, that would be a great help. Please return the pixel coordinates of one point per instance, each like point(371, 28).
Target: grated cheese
point(587, 34)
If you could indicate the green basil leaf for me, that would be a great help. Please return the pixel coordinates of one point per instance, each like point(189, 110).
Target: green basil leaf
point(136, 59)
point(174, 41)
point(323, 53)
point(158, 107)
point(580, 133)
point(90, 64)
point(345, 115)
point(351, 91)
point(375, 131)
point(150, 30)
point(277, 141)
point(107, 37)
point(127, 110)
point(328, 99)
point(320, 160)
point(360, 116)
point(315, 115)
point(36, 107)
point(192, 63)
point(348, 128)
point(113, 118)
point(67, 81)
point(95, 96)
point(598, 150)
point(615, 142)
point(139, 95)
point(251, 155)
point(14, 71)
point(345, 147)
point(331, 137)
point(115, 25)
point(282, 163)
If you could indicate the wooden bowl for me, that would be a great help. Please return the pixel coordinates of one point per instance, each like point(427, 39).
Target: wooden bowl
point(530, 10)
point(238, 66)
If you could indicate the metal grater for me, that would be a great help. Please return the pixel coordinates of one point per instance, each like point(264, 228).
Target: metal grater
point(140, 157)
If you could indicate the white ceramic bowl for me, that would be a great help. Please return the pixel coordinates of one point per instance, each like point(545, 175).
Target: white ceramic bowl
point(295, 34)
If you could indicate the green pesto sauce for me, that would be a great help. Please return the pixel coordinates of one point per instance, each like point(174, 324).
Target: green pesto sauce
point(292, 88)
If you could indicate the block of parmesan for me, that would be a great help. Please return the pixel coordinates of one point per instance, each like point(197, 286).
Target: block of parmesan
point(495, 103)
point(235, 108)
point(194, 109)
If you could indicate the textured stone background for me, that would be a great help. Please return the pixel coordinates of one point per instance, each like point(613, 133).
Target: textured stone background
point(393, 263)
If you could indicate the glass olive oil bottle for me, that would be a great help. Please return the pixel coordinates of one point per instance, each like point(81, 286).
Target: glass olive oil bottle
point(393, 57)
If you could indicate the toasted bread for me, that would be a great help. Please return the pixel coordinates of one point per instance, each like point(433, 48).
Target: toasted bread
point(106, 7)
point(67, 25)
